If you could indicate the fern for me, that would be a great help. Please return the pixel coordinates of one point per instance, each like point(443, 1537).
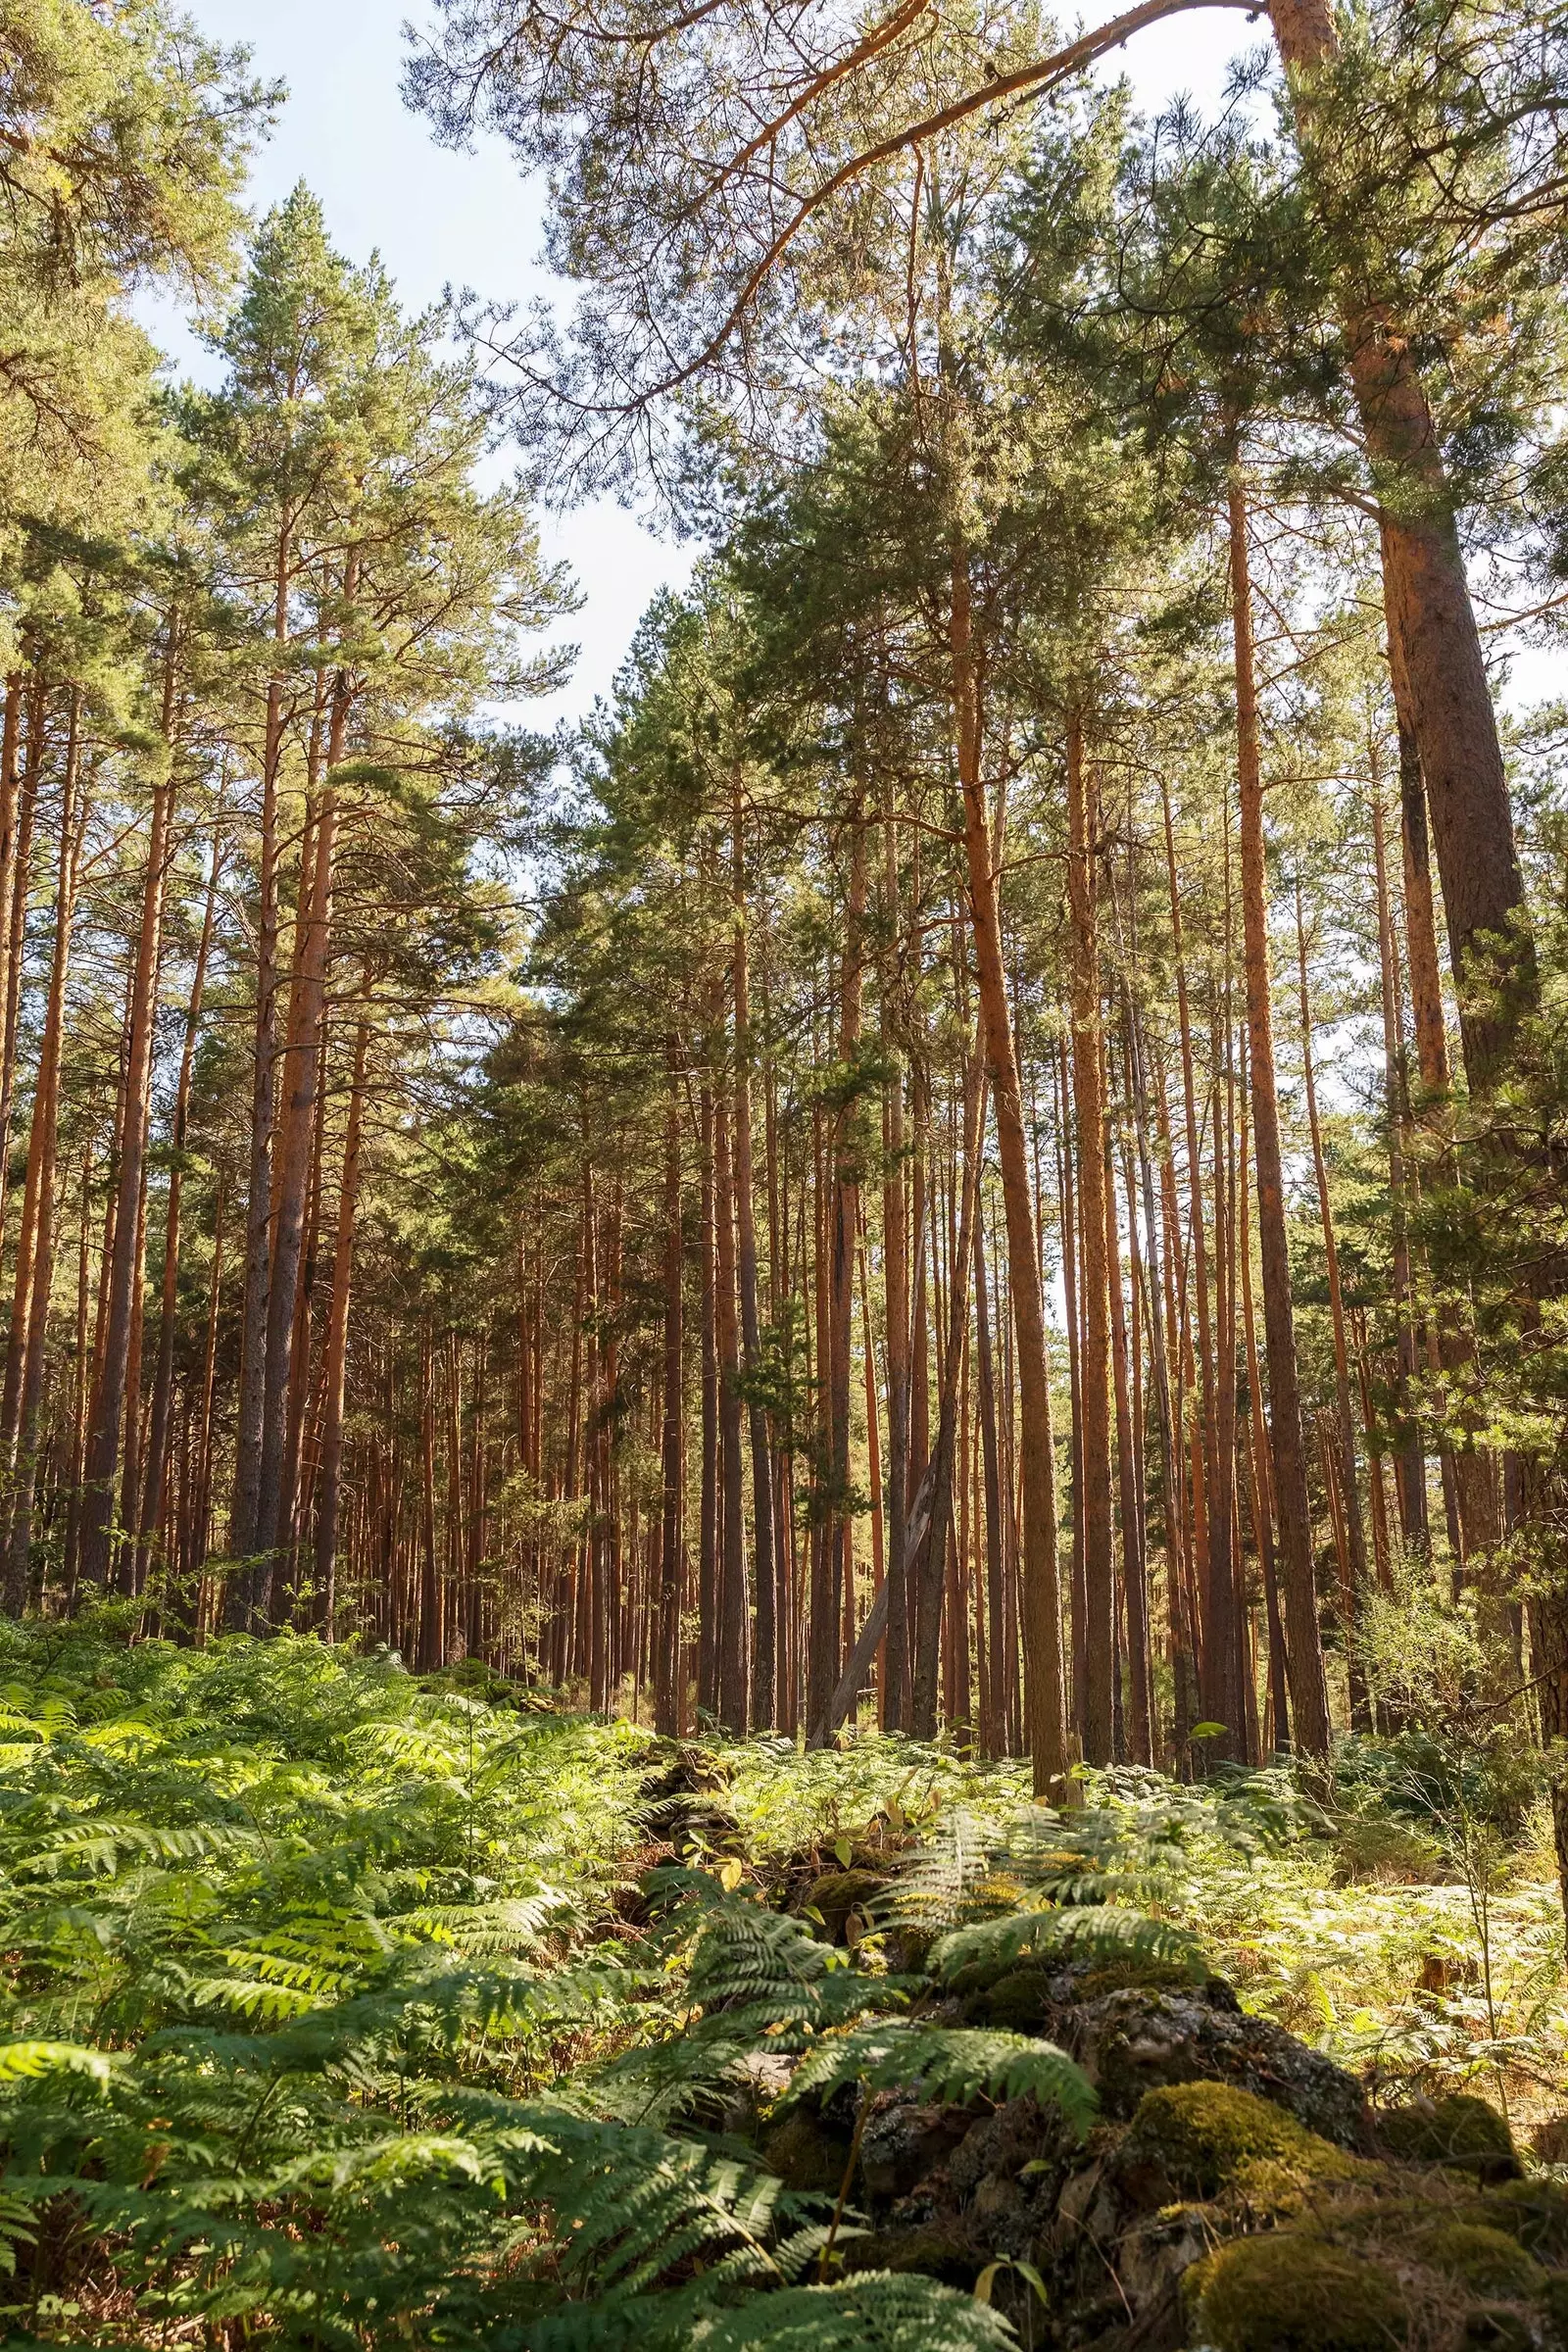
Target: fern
point(955, 2064)
point(1105, 1934)
point(875, 2312)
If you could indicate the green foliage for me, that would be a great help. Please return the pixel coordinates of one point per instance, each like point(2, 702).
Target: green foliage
point(952, 2063)
point(1061, 1937)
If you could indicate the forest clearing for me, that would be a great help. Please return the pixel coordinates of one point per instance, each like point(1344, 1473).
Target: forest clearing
point(783, 1517)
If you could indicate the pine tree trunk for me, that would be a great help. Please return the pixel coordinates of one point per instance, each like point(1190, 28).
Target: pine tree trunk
point(668, 1677)
point(123, 1271)
point(733, 1610)
point(1411, 1470)
point(31, 1312)
point(931, 1550)
point(1350, 1478)
point(1042, 1592)
point(1309, 1689)
point(707, 1566)
point(764, 1661)
point(1094, 1376)
point(274, 1511)
point(241, 1588)
point(158, 1435)
point(1130, 1497)
point(13, 920)
point(335, 1365)
point(896, 1298)
point(1430, 615)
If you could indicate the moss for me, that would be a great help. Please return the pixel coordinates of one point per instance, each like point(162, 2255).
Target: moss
point(805, 2155)
point(1287, 2292)
point(1019, 2001)
point(1535, 2212)
point(1115, 1976)
point(1489, 2262)
point(840, 1893)
point(937, 2248)
point(1460, 2131)
point(1204, 2135)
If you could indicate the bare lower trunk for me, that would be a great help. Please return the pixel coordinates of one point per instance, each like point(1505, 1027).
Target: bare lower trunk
point(1041, 1591)
point(335, 1364)
point(31, 1313)
point(1094, 1374)
point(1308, 1691)
point(123, 1271)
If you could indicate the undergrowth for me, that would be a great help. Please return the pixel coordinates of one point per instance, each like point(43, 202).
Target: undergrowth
point(346, 2012)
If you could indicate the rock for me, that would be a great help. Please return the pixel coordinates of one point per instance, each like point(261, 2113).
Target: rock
point(1285, 2292)
point(1489, 2262)
point(903, 2142)
point(940, 2249)
point(843, 1898)
point(1460, 2131)
point(1549, 2142)
point(1535, 2212)
point(1204, 2137)
point(807, 2154)
point(1136, 2040)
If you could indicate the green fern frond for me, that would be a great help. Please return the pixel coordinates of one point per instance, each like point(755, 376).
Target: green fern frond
point(951, 2063)
point(878, 2311)
point(23, 2061)
point(1096, 1934)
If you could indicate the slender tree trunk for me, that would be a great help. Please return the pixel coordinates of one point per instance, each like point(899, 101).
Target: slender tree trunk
point(842, 1225)
point(733, 1600)
point(1309, 1689)
point(1129, 1492)
point(764, 1662)
point(158, 1435)
point(931, 1551)
point(1093, 1377)
point(240, 1594)
point(275, 1508)
point(1041, 1591)
point(124, 1270)
point(708, 1533)
point(1344, 1410)
point(30, 1311)
point(667, 1694)
point(1411, 1468)
point(896, 1297)
point(14, 919)
point(335, 1365)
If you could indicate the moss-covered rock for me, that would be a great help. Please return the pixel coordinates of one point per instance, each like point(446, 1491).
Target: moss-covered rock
point(1019, 2001)
point(1459, 2131)
point(1290, 2292)
point(1137, 2040)
point(1489, 2262)
point(1535, 2212)
point(940, 2249)
point(904, 2139)
point(838, 1894)
point(804, 2152)
point(1203, 2136)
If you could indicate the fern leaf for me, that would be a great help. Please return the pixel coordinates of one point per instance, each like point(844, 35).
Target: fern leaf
point(875, 2312)
point(22, 2060)
point(952, 2063)
point(1072, 1934)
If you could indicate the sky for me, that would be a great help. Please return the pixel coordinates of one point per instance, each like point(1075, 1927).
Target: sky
point(439, 219)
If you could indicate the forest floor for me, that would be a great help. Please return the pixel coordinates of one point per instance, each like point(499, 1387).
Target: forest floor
point(336, 1999)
